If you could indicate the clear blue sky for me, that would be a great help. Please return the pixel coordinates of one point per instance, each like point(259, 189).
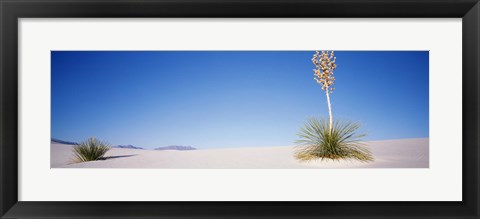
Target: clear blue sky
point(209, 99)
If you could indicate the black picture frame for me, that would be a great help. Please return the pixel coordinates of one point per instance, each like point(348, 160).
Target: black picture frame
point(12, 10)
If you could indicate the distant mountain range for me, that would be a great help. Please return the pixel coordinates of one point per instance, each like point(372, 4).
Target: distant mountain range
point(173, 147)
point(176, 147)
point(58, 141)
point(128, 147)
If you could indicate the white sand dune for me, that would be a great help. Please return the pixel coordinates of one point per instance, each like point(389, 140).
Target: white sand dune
point(403, 153)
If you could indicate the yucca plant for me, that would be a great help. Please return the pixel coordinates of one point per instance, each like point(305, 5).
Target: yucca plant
point(322, 139)
point(318, 141)
point(90, 150)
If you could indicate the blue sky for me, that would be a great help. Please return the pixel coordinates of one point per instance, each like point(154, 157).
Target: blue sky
point(209, 99)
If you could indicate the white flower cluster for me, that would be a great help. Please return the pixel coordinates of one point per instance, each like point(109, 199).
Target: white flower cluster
point(324, 66)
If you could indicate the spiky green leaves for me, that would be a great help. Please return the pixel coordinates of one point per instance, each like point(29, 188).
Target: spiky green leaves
point(90, 150)
point(343, 142)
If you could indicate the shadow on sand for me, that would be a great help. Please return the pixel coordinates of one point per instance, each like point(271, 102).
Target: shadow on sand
point(118, 156)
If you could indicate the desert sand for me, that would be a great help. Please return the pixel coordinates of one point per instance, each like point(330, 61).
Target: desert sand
point(403, 153)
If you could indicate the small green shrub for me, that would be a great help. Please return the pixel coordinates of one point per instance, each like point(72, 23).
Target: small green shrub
point(89, 150)
point(342, 142)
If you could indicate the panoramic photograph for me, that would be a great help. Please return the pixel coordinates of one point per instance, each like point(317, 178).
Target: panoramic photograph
point(319, 109)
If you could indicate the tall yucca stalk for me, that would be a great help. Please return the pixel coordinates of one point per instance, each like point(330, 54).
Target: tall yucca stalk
point(323, 74)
